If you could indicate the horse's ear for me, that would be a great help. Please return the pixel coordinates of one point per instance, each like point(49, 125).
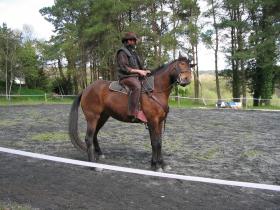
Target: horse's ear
point(180, 55)
point(190, 58)
point(193, 65)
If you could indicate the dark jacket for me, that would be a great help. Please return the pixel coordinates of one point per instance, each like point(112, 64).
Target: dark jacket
point(127, 58)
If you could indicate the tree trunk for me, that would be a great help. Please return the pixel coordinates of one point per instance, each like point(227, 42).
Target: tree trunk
point(244, 86)
point(196, 77)
point(60, 69)
point(91, 70)
point(216, 52)
point(73, 75)
point(6, 67)
point(241, 59)
point(234, 62)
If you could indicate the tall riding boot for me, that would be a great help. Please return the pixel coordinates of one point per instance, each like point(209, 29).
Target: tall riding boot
point(133, 102)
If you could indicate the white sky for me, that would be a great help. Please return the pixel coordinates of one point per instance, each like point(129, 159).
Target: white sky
point(16, 13)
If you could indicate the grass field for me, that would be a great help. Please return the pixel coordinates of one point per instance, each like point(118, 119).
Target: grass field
point(208, 96)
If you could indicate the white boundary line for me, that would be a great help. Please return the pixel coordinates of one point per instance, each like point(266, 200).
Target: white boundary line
point(141, 172)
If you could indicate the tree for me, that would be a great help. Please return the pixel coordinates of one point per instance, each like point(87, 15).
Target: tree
point(64, 16)
point(29, 65)
point(9, 45)
point(238, 27)
point(89, 33)
point(264, 20)
point(213, 43)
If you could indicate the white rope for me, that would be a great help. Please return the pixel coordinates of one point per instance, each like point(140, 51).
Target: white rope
point(215, 99)
point(3, 95)
point(141, 172)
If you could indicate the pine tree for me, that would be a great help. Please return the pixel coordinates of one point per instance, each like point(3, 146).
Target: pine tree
point(263, 45)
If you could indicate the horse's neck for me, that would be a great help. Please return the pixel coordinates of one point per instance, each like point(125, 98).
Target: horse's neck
point(163, 84)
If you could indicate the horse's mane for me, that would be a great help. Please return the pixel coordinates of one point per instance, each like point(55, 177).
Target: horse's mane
point(161, 68)
point(164, 66)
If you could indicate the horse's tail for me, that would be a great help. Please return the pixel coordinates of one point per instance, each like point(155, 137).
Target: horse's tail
point(73, 125)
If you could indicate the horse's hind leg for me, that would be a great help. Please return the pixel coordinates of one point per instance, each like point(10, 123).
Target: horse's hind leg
point(89, 143)
point(102, 120)
point(91, 128)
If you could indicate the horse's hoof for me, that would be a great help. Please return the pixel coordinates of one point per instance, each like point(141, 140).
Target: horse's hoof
point(98, 169)
point(167, 168)
point(102, 157)
point(159, 170)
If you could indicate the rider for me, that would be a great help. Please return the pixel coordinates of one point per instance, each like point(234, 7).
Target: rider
point(129, 70)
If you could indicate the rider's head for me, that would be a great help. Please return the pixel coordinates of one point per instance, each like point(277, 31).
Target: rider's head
point(129, 39)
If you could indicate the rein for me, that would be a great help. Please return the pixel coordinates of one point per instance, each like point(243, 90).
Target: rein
point(150, 94)
point(168, 88)
point(165, 108)
point(178, 70)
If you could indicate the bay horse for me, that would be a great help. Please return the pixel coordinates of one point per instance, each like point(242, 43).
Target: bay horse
point(99, 103)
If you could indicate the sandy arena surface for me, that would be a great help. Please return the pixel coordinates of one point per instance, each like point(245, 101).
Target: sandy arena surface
point(224, 144)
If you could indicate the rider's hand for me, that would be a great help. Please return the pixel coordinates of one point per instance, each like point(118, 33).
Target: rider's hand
point(144, 72)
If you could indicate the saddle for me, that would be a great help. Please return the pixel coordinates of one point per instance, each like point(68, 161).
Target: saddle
point(147, 86)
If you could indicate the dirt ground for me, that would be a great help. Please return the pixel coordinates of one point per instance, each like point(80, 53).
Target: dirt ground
point(223, 144)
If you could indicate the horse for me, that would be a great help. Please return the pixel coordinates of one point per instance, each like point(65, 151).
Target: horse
point(99, 103)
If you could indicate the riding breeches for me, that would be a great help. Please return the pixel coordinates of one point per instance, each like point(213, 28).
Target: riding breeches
point(134, 85)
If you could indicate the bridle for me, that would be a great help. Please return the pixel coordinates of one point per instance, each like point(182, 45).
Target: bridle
point(180, 72)
point(178, 80)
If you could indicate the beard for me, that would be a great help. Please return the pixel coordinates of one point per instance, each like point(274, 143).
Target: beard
point(131, 46)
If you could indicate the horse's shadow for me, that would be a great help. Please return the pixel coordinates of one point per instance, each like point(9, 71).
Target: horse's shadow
point(120, 156)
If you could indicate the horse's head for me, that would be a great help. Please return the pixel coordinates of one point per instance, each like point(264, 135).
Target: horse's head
point(183, 73)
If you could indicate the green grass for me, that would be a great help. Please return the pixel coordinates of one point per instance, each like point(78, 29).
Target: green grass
point(208, 96)
point(15, 206)
point(25, 96)
point(209, 154)
point(251, 154)
point(188, 103)
point(50, 136)
point(26, 91)
point(7, 123)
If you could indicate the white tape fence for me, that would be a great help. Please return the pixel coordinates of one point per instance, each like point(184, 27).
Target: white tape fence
point(179, 100)
point(141, 172)
point(182, 100)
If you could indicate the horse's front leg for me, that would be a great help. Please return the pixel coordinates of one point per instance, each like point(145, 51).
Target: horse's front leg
point(155, 130)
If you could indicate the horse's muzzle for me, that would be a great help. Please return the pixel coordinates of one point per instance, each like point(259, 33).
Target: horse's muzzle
point(184, 83)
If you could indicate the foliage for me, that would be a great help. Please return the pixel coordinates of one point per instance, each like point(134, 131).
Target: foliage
point(18, 59)
point(88, 34)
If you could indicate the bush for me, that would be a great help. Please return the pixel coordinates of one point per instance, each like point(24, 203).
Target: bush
point(2, 87)
point(62, 86)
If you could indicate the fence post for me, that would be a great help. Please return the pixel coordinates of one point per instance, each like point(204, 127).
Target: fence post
point(46, 100)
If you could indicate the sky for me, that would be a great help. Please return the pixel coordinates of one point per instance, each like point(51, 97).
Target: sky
point(17, 13)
